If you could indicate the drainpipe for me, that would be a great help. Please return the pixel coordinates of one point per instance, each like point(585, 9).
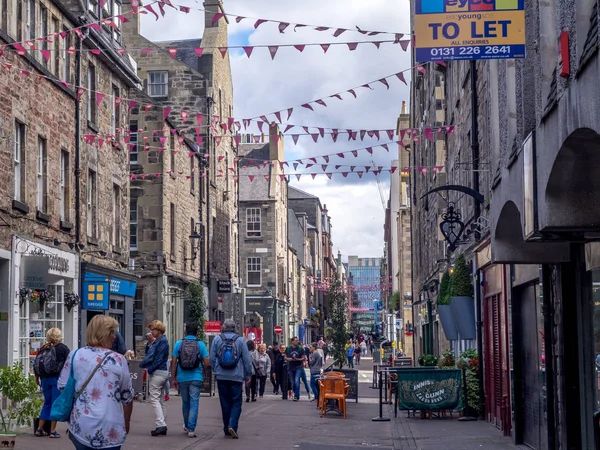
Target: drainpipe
point(209, 106)
point(78, 181)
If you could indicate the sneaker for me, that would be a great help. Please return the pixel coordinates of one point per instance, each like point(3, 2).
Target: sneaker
point(185, 430)
point(296, 399)
point(233, 433)
point(309, 396)
point(192, 434)
point(167, 398)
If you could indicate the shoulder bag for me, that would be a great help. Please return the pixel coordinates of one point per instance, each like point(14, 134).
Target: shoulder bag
point(63, 405)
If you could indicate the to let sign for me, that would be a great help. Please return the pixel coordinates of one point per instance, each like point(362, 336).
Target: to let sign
point(212, 327)
point(278, 329)
point(448, 30)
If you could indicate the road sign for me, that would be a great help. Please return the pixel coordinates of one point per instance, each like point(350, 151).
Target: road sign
point(448, 30)
point(278, 329)
point(212, 327)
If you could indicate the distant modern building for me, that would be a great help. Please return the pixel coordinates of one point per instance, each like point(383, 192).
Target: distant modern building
point(365, 276)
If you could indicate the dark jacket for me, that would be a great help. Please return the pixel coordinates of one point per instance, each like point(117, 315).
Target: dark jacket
point(157, 357)
point(119, 344)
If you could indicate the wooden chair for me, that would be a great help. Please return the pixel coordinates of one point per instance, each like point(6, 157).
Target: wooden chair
point(333, 389)
point(325, 376)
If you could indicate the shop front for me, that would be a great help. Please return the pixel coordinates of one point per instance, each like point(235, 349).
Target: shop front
point(272, 313)
point(46, 293)
point(108, 292)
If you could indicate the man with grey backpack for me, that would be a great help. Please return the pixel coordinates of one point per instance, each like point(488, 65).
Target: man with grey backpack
point(189, 357)
point(231, 364)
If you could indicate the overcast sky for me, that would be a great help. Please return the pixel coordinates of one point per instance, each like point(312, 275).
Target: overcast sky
point(263, 86)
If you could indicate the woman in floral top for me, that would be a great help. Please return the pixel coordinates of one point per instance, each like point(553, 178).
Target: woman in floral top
point(101, 415)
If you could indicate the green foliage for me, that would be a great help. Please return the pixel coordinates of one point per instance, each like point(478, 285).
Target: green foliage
point(338, 321)
point(444, 292)
point(448, 361)
point(428, 361)
point(197, 308)
point(461, 284)
point(395, 301)
point(469, 360)
point(20, 390)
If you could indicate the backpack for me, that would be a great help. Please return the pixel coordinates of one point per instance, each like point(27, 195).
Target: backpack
point(228, 353)
point(189, 354)
point(45, 363)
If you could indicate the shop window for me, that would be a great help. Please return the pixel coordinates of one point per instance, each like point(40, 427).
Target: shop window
point(35, 320)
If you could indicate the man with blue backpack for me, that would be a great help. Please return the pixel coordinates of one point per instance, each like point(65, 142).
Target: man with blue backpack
point(189, 357)
point(231, 363)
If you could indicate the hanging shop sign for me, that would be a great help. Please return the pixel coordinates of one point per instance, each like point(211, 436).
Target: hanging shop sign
point(34, 272)
point(224, 286)
point(96, 293)
point(448, 30)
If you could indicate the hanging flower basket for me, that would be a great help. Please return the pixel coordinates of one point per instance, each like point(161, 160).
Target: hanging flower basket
point(71, 300)
point(41, 297)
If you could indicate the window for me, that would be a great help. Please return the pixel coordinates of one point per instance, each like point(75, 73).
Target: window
point(19, 20)
point(41, 175)
point(133, 223)
point(138, 314)
point(116, 111)
point(158, 84)
point(31, 20)
point(202, 245)
point(117, 9)
point(4, 21)
point(92, 196)
point(66, 68)
point(55, 31)
point(172, 231)
point(93, 6)
point(253, 222)
point(133, 141)
point(116, 234)
point(19, 162)
point(64, 185)
point(192, 175)
point(254, 271)
point(91, 87)
point(44, 29)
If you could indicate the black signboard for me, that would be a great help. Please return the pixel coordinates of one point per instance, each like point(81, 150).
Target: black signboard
point(224, 286)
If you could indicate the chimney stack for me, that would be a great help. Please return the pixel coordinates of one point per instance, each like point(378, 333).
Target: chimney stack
point(403, 107)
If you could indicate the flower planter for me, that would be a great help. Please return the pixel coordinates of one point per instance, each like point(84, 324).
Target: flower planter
point(448, 323)
point(8, 440)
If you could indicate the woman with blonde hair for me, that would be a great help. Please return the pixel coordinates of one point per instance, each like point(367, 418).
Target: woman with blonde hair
point(101, 414)
point(262, 364)
point(156, 363)
point(47, 367)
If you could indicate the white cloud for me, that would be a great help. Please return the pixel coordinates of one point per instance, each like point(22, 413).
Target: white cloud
point(263, 86)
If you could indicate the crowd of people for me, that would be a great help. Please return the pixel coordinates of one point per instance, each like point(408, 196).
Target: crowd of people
point(102, 407)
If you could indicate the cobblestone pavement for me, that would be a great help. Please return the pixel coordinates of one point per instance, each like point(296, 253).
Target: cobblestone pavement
point(272, 423)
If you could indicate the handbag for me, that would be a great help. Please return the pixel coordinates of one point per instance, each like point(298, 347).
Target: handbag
point(63, 405)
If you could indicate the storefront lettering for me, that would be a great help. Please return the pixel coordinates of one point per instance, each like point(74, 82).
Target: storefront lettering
point(59, 264)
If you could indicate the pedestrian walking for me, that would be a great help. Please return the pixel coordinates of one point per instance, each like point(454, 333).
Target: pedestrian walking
point(102, 412)
point(47, 367)
point(363, 348)
point(316, 365)
point(251, 387)
point(189, 357)
point(294, 355)
point(273, 353)
point(262, 365)
point(156, 364)
point(350, 353)
point(357, 353)
point(231, 364)
point(281, 373)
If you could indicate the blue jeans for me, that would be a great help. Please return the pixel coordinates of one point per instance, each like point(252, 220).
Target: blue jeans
point(295, 375)
point(314, 385)
point(51, 393)
point(79, 446)
point(351, 362)
point(304, 380)
point(190, 400)
point(230, 396)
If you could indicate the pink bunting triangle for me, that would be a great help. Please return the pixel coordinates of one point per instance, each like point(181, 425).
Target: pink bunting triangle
point(377, 44)
point(99, 97)
point(223, 51)
point(184, 115)
point(45, 54)
point(334, 135)
point(80, 92)
point(307, 106)
point(199, 51)
point(199, 140)
point(421, 69)
point(282, 26)
point(326, 158)
point(322, 28)
point(352, 168)
point(248, 51)
point(251, 178)
point(267, 177)
point(344, 174)
point(429, 134)
point(216, 18)
point(338, 32)
point(341, 155)
point(313, 175)
point(300, 48)
point(386, 147)
point(238, 19)
point(295, 138)
point(352, 46)
point(384, 82)
point(237, 139)
point(259, 22)
point(131, 105)
point(273, 50)
point(298, 175)
point(360, 174)
point(149, 8)
point(450, 129)
point(400, 76)
point(393, 169)
point(260, 126)
point(352, 92)
point(404, 44)
point(287, 128)
point(19, 49)
point(278, 116)
point(289, 111)
point(315, 136)
point(321, 102)
point(362, 134)
point(328, 175)
point(173, 52)
point(370, 150)
point(325, 47)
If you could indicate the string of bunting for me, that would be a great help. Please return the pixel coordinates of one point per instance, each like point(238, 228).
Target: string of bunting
point(225, 125)
point(145, 51)
point(152, 176)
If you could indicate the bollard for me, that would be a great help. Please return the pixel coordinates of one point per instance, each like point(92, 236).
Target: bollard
point(380, 418)
point(375, 370)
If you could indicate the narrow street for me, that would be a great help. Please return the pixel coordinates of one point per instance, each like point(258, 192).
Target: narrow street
point(272, 423)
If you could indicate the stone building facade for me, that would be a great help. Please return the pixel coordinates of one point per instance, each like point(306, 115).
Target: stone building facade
point(56, 185)
point(202, 87)
point(264, 230)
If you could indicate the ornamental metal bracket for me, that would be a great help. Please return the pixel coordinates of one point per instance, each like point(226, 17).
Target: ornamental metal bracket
point(452, 226)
